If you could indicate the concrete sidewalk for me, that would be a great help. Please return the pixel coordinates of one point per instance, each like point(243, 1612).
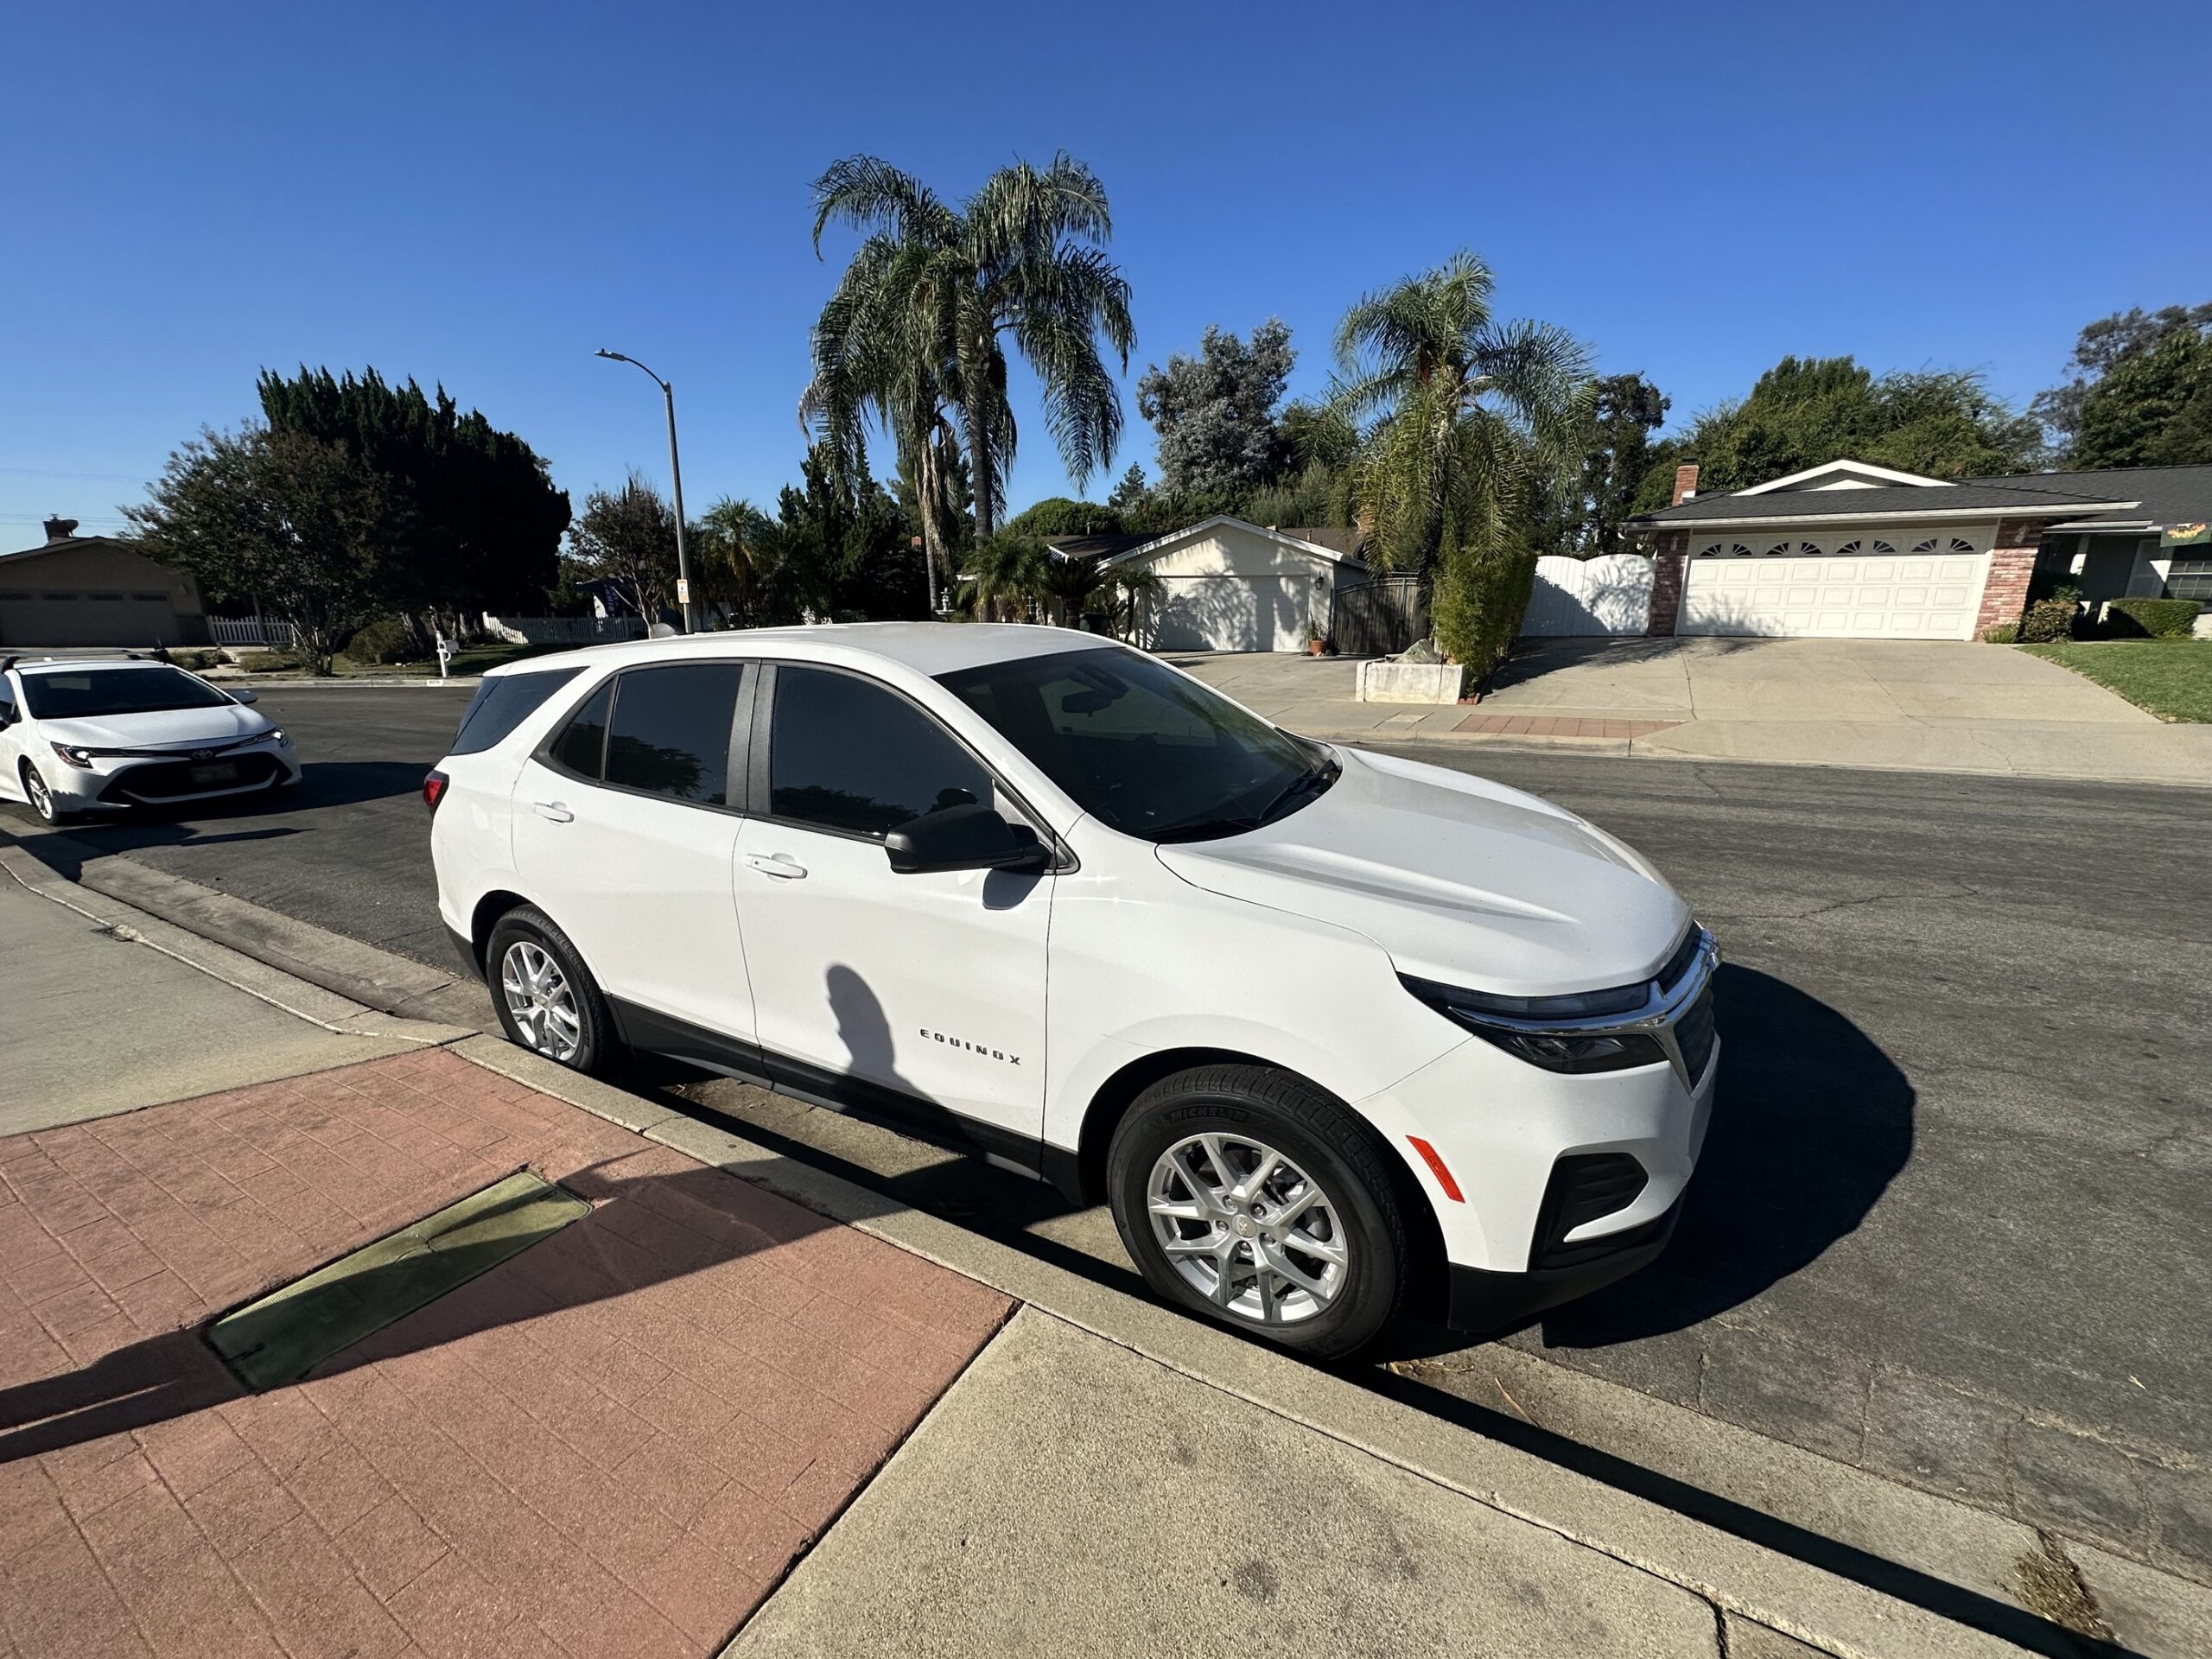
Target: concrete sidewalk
point(620, 1441)
point(1916, 705)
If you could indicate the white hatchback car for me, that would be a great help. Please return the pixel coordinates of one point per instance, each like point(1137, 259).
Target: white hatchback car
point(1335, 1034)
point(102, 734)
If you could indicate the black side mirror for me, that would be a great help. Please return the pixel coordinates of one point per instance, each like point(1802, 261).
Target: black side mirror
point(964, 837)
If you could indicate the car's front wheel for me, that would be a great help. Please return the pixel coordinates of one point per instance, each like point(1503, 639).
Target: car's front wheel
point(548, 1001)
point(1249, 1195)
point(40, 797)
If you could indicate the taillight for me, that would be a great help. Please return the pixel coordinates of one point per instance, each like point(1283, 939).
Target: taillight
point(434, 789)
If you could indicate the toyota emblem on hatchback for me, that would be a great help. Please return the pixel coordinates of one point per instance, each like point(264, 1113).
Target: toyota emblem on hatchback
point(203, 754)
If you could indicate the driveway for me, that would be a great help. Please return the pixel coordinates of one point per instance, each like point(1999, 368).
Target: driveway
point(1939, 705)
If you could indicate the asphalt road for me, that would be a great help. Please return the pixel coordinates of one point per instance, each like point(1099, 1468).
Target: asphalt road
point(1952, 1222)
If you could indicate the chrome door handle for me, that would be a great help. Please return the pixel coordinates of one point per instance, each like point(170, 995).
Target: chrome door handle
point(554, 811)
point(781, 865)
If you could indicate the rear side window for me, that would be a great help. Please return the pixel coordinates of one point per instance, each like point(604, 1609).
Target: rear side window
point(844, 754)
point(671, 732)
point(580, 744)
point(504, 703)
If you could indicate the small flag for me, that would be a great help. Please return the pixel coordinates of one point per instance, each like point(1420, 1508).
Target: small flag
point(2185, 535)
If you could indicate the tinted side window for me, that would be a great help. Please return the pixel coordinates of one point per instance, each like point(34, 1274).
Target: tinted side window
point(849, 755)
point(583, 739)
point(671, 732)
point(502, 704)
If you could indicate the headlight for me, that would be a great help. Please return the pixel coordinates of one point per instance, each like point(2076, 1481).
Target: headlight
point(81, 759)
point(275, 735)
point(1519, 1025)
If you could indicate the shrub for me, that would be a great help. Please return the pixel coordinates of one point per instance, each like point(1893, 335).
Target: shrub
point(2048, 619)
point(2004, 634)
point(386, 640)
point(1480, 597)
point(2151, 619)
point(196, 660)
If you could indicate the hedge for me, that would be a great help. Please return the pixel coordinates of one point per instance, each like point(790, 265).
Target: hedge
point(2048, 619)
point(2152, 619)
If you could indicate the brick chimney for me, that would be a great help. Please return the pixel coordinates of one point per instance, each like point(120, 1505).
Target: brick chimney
point(61, 529)
point(1685, 484)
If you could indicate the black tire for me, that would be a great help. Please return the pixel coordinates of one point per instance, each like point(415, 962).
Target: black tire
point(597, 1047)
point(1325, 1141)
point(42, 798)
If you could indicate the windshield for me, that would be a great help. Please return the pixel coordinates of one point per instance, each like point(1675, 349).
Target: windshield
point(1146, 749)
point(91, 693)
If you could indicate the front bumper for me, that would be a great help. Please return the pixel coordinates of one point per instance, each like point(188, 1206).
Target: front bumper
point(118, 783)
point(1507, 1134)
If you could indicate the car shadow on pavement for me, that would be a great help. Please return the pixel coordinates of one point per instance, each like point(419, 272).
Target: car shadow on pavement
point(1811, 1121)
point(646, 1236)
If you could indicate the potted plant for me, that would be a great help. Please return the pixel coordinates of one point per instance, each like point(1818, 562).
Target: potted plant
point(1315, 641)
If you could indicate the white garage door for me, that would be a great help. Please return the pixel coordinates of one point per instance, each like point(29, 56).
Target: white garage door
point(1928, 587)
point(1233, 612)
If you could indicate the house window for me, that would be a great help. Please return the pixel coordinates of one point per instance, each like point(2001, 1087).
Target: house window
point(2189, 578)
point(1884, 546)
point(1960, 546)
point(1739, 551)
point(1777, 550)
point(1711, 552)
point(1928, 546)
point(1851, 549)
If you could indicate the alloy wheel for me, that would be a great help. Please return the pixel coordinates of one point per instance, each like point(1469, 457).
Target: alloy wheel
point(1247, 1229)
point(42, 798)
point(541, 1001)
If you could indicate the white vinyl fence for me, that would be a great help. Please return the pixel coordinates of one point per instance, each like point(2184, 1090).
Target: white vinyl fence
point(1608, 595)
point(562, 630)
point(252, 631)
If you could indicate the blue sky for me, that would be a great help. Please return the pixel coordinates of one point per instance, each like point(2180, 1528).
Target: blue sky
point(481, 195)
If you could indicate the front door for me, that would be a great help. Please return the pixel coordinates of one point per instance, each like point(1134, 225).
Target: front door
point(625, 832)
point(916, 995)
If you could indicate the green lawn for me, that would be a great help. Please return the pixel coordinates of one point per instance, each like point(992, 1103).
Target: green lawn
point(2171, 678)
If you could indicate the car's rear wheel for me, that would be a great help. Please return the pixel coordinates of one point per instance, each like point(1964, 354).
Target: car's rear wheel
point(547, 999)
point(1249, 1196)
point(40, 797)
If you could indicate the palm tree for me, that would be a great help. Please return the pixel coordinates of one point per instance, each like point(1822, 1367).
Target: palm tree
point(1075, 583)
point(1137, 589)
point(733, 548)
point(915, 333)
point(1466, 412)
point(1006, 575)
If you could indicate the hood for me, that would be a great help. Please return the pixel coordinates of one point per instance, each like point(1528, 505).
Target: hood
point(1460, 879)
point(163, 729)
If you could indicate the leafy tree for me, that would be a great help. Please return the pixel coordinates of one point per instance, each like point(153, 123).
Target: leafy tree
point(733, 553)
point(626, 541)
point(1806, 411)
point(2152, 404)
point(298, 527)
point(1465, 414)
point(922, 314)
point(2100, 348)
point(1215, 412)
point(1056, 515)
point(1585, 518)
point(484, 520)
point(1130, 491)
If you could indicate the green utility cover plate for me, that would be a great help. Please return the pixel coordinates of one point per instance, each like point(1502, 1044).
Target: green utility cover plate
point(289, 1333)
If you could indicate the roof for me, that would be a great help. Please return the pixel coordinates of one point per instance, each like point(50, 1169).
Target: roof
point(1345, 540)
point(2163, 495)
point(1102, 545)
point(1292, 539)
point(2068, 494)
point(73, 543)
point(930, 648)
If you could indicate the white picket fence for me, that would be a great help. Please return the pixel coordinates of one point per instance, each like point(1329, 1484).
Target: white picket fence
point(252, 631)
point(1608, 595)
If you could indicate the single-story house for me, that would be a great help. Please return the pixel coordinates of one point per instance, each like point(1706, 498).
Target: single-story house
point(1857, 551)
point(1227, 585)
point(75, 590)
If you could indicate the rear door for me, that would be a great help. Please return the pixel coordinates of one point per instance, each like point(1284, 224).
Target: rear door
point(921, 996)
point(625, 823)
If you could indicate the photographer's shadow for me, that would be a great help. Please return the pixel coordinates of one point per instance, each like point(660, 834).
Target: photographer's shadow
point(1811, 1121)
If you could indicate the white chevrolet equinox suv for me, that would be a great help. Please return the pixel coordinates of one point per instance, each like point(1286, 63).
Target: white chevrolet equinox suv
point(1336, 1034)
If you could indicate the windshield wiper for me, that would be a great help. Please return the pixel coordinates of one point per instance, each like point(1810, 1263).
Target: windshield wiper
point(1313, 780)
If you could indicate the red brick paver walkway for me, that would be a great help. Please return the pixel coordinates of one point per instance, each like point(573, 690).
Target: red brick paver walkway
point(614, 1443)
point(1560, 726)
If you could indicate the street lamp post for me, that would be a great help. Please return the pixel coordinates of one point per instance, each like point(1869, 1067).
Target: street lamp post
point(676, 478)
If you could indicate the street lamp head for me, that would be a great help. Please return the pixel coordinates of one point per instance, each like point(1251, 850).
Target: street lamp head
point(617, 356)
